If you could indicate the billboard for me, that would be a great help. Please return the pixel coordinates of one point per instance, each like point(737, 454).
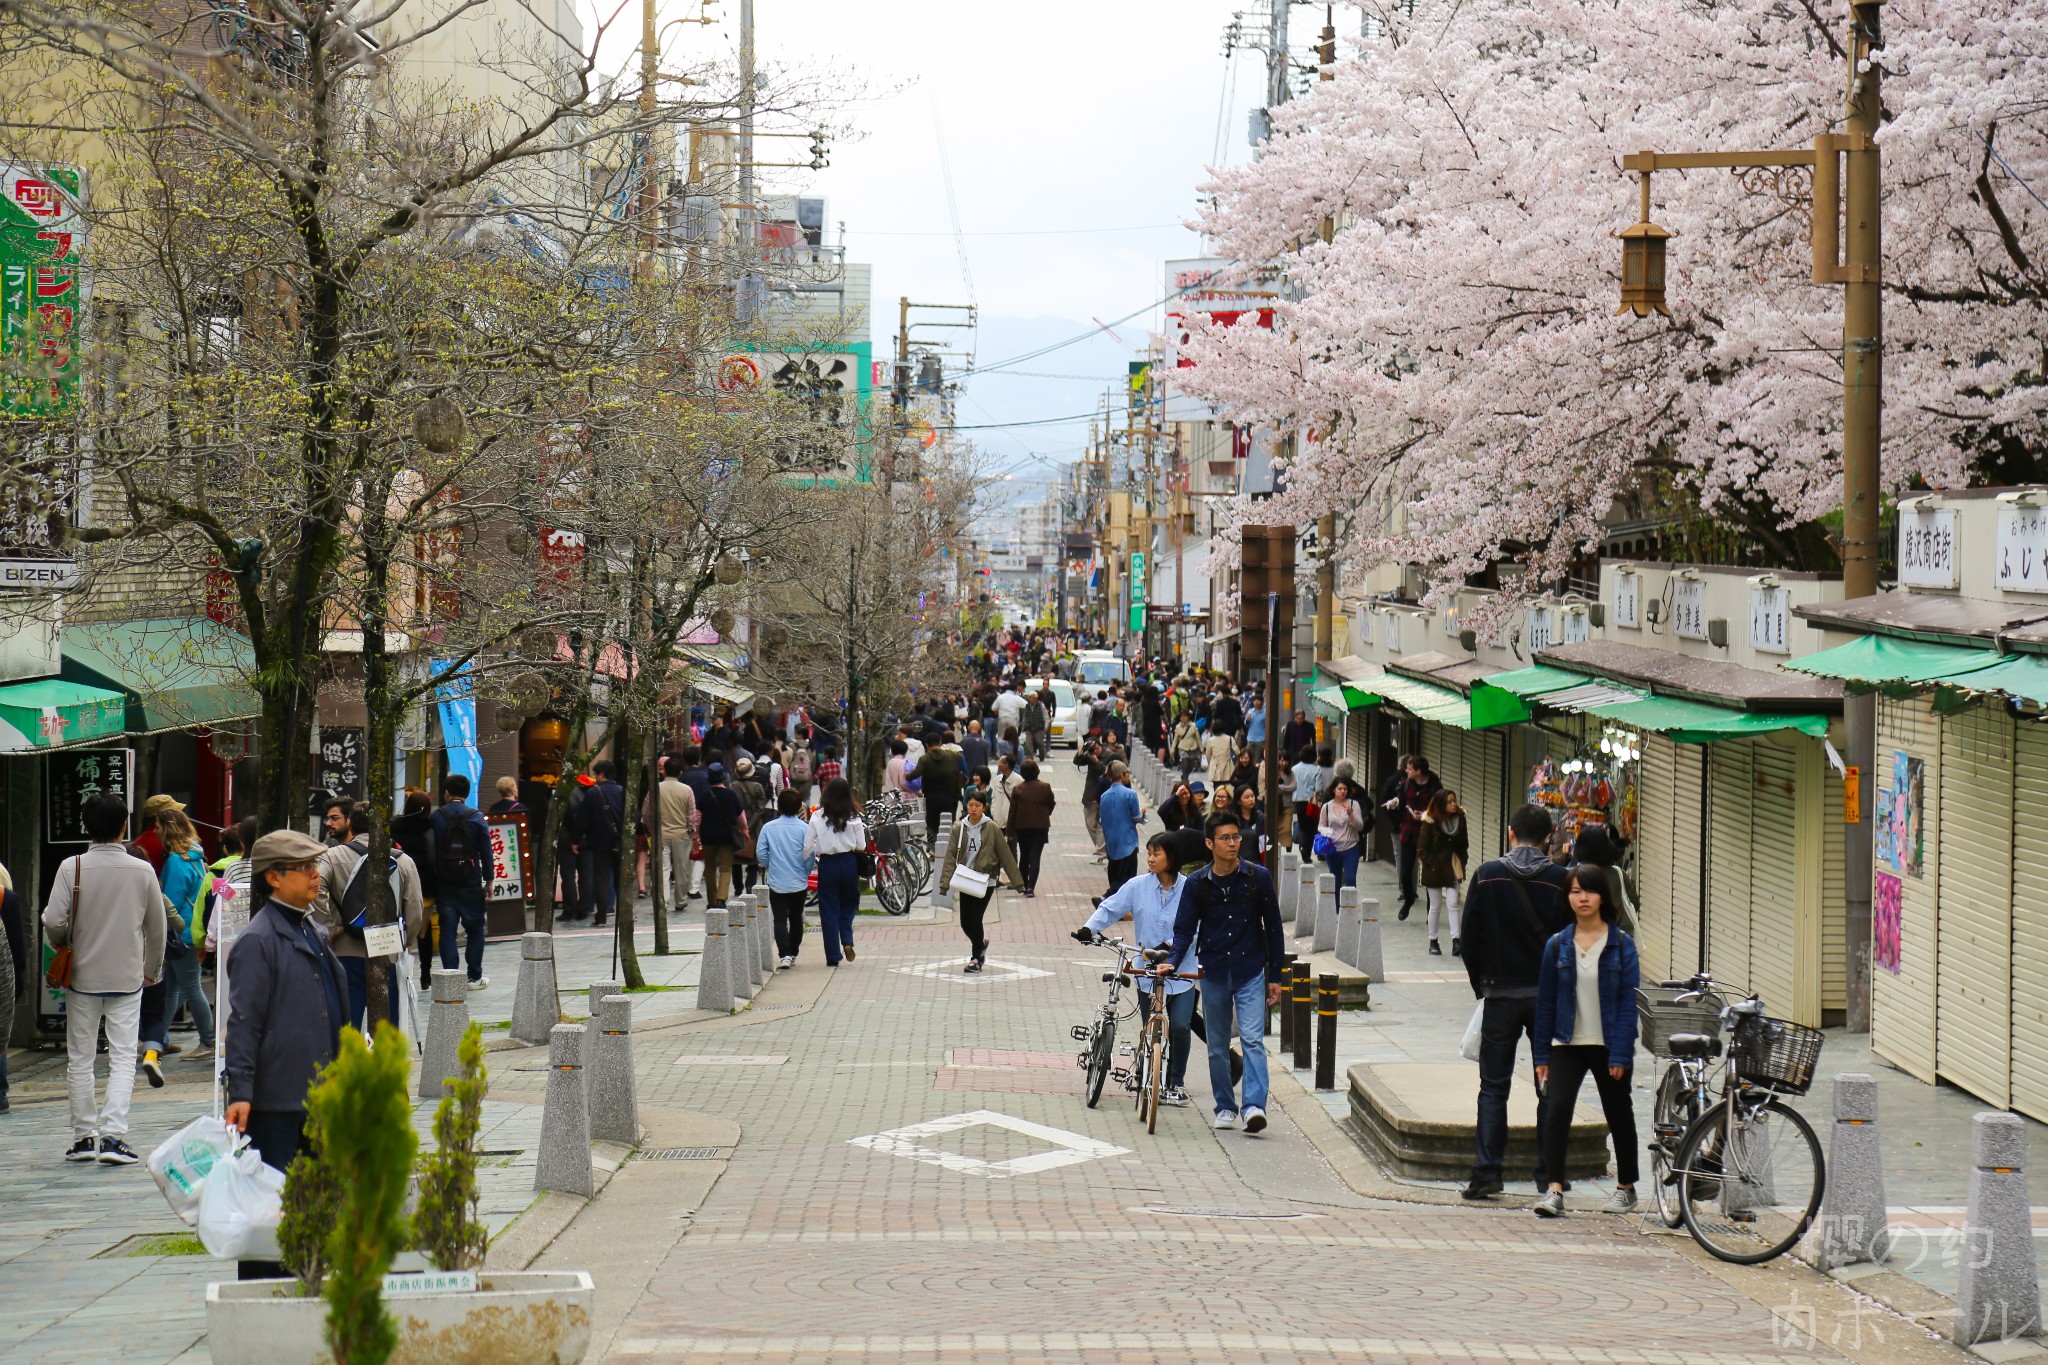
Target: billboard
point(42, 287)
point(1211, 290)
point(833, 389)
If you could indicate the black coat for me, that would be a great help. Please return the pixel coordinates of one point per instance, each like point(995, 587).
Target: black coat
point(279, 1032)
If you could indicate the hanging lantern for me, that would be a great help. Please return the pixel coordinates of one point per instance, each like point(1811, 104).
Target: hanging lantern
point(438, 425)
point(727, 570)
point(1642, 269)
point(722, 621)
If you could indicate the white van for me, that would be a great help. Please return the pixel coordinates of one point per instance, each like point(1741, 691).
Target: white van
point(1097, 668)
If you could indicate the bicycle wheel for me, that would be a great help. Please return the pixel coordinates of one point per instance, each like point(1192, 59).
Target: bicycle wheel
point(1750, 1178)
point(1101, 1048)
point(917, 869)
point(1155, 1067)
point(1675, 1109)
point(889, 887)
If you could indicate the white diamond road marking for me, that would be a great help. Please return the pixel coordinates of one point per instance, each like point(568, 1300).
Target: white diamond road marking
point(992, 970)
point(1068, 1148)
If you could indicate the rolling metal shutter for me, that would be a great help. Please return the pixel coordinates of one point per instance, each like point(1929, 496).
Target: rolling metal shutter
point(1656, 835)
point(2030, 919)
point(1730, 770)
point(1834, 957)
point(1688, 954)
point(1775, 963)
point(1973, 1031)
point(1480, 793)
point(1357, 744)
point(1902, 1023)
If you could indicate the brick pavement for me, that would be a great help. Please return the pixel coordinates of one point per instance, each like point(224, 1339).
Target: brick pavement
point(833, 1236)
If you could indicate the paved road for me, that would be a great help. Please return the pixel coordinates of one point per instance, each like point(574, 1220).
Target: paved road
point(1011, 1223)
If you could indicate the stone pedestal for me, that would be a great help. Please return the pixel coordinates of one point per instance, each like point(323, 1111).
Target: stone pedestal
point(1999, 1297)
point(714, 980)
point(534, 1007)
point(595, 992)
point(614, 1103)
point(562, 1162)
point(1287, 887)
point(1347, 926)
point(447, 1019)
point(1365, 943)
point(1853, 1224)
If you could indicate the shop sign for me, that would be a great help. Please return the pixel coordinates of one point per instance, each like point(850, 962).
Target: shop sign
point(341, 768)
point(1542, 631)
point(1139, 584)
point(509, 857)
point(1689, 608)
point(1770, 612)
point(38, 575)
point(42, 287)
point(1628, 599)
point(73, 776)
point(2022, 548)
point(1927, 546)
point(1577, 626)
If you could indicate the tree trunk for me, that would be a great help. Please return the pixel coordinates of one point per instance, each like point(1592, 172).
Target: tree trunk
point(658, 908)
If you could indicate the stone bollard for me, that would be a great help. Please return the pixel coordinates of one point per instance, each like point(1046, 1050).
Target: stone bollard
point(563, 1160)
point(1324, 892)
point(942, 896)
point(1999, 1297)
point(1305, 893)
point(447, 1018)
point(535, 1009)
point(714, 977)
point(1853, 1226)
point(1365, 941)
point(1346, 945)
point(1326, 915)
point(614, 1103)
point(1289, 885)
point(747, 946)
point(596, 992)
point(765, 939)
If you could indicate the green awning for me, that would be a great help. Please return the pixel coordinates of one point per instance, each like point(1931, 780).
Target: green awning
point(54, 714)
point(177, 673)
point(1895, 665)
point(717, 688)
point(1426, 700)
point(2017, 675)
point(1501, 699)
point(1341, 699)
point(1692, 722)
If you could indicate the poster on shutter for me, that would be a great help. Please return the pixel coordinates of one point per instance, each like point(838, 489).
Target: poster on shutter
point(1885, 850)
point(1887, 920)
point(1909, 802)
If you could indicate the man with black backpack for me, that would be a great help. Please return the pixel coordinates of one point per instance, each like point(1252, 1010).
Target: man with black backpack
point(462, 843)
point(600, 819)
point(1514, 906)
point(342, 909)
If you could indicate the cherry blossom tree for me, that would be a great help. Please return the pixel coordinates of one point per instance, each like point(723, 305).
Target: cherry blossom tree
point(1444, 206)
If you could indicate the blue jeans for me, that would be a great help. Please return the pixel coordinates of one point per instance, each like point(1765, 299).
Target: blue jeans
point(838, 901)
point(181, 976)
point(1343, 866)
point(355, 971)
point(1180, 1017)
point(1247, 1003)
point(466, 907)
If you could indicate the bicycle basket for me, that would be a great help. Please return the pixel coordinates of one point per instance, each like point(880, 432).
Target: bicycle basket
point(1778, 1054)
point(1660, 1016)
point(888, 838)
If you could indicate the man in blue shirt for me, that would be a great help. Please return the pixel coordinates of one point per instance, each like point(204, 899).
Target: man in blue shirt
point(1255, 730)
point(779, 848)
point(1120, 816)
point(1230, 905)
point(1152, 903)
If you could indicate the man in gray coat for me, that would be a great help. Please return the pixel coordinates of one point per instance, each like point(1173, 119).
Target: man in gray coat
point(106, 905)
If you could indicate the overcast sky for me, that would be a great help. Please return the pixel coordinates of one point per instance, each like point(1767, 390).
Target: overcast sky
point(1086, 124)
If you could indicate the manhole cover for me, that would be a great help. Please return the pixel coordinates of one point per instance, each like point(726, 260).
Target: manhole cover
point(686, 1154)
point(1175, 1211)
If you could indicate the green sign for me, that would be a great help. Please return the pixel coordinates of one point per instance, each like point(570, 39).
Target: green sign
point(42, 287)
point(1139, 592)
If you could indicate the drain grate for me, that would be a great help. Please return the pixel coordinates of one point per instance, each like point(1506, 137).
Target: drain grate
point(686, 1154)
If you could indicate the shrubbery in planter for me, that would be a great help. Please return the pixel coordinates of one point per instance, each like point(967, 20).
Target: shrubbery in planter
point(448, 1222)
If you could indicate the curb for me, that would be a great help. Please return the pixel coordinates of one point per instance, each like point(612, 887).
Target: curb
point(520, 1242)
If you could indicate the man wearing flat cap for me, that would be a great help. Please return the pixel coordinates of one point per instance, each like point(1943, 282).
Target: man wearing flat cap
point(287, 1005)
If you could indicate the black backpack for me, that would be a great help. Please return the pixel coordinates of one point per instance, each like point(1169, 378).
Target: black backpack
point(454, 859)
point(355, 897)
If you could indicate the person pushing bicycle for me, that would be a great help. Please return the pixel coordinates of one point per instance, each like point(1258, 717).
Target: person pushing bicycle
point(1152, 902)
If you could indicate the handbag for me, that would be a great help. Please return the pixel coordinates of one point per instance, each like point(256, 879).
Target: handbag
point(967, 882)
point(58, 975)
point(1324, 846)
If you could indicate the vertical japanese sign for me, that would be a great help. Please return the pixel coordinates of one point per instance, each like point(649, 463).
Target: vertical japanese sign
point(1140, 591)
point(42, 287)
point(457, 698)
point(73, 776)
point(341, 767)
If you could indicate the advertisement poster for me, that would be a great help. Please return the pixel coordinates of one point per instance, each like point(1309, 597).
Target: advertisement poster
point(1909, 792)
point(508, 857)
point(1887, 851)
point(1887, 920)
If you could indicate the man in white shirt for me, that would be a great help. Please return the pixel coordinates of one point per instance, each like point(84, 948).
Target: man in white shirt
point(1010, 708)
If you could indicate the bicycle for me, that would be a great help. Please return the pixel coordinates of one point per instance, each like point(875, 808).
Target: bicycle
point(1148, 1064)
point(1682, 1092)
point(1098, 1057)
point(1747, 1174)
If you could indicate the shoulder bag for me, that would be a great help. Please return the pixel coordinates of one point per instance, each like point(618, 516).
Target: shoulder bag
point(58, 977)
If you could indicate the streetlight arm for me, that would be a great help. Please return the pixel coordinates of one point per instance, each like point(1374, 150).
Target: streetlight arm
point(1688, 161)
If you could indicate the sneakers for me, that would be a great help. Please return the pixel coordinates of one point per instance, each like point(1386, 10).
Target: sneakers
point(1225, 1118)
point(1551, 1205)
point(1254, 1119)
point(85, 1149)
point(1405, 908)
point(480, 983)
point(1481, 1189)
point(114, 1152)
point(1457, 947)
point(787, 963)
point(1623, 1200)
point(973, 964)
point(1434, 950)
point(202, 1053)
point(153, 1069)
point(172, 1049)
point(1175, 1096)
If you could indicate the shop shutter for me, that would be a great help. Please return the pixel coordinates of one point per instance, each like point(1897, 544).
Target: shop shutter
point(1688, 832)
point(1485, 755)
point(1834, 968)
point(1447, 766)
point(1902, 1018)
point(1774, 958)
point(1357, 744)
point(1656, 819)
point(2030, 919)
point(1973, 1032)
point(1730, 769)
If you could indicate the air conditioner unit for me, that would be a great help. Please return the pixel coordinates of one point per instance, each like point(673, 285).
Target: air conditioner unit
point(1596, 614)
point(1717, 631)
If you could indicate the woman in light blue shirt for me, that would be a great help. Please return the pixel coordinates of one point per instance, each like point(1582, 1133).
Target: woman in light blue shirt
point(786, 868)
point(1152, 902)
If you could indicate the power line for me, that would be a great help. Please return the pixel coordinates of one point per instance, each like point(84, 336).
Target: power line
point(1076, 340)
point(1034, 232)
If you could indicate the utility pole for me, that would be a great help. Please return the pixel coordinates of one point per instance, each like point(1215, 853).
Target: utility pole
point(1276, 56)
point(750, 233)
point(649, 188)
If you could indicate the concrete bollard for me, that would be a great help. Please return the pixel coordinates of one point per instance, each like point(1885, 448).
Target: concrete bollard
point(1288, 889)
point(764, 940)
point(1305, 895)
point(535, 1009)
point(1999, 1297)
point(1366, 955)
point(447, 1018)
point(1323, 892)
point(747, 946)
point(714, 977)
point(614, 1102)
point(1346, 946)
point(1326, 915)
point(562, 1162)
point(1853, 1226)
point(942, 896)
point(596, 992)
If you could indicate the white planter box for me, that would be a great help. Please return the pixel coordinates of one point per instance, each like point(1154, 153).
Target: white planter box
point(515, 1317)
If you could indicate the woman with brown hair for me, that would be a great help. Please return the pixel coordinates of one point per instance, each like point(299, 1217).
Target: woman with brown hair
point(183, 881)
point(1440, 852)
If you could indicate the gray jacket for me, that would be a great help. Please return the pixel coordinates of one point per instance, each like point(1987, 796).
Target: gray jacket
point(280, 1032)
point(337, 865)
point(118, 943)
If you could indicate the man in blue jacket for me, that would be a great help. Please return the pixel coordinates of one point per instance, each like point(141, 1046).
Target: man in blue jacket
point(1230, 905)
point(1120, 815)
point(462, 848)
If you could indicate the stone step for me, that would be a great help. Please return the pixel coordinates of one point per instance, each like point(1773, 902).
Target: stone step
point(1420, 1118)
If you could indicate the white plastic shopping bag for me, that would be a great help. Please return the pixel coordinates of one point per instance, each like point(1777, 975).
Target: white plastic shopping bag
point(408, 987)
point(1468, 1046)
point(181, 1163)
point(239, 1207)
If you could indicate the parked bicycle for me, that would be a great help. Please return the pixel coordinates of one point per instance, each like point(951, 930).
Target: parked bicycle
point(1742, 1170)
point(1098, 1058)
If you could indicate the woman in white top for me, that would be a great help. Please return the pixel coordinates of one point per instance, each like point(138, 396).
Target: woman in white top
point(837, 838)
point(1586, 1026)
point(979, 846)
point(1341, 821)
